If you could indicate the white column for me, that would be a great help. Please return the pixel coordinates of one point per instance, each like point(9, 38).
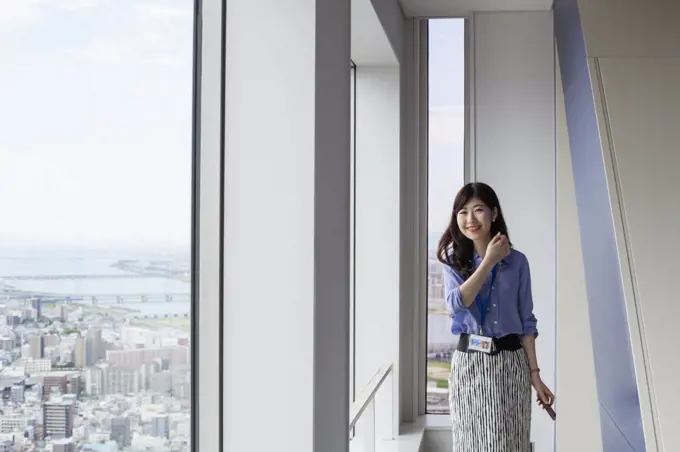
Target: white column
point(377, 233)
point(579, 425)
point(286, 226)
point(515, 153)
point(206, 366)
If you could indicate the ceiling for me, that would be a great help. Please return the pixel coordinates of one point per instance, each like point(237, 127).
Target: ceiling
point(450, 8)
point(370, 46)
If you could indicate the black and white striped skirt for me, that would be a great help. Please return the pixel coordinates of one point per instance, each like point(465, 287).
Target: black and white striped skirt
point(490, 401)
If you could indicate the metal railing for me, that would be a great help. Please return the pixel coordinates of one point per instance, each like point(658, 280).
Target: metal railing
point(364, 408)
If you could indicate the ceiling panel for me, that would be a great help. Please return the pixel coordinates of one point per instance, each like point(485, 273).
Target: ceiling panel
point(449, 8)
point(370, 45)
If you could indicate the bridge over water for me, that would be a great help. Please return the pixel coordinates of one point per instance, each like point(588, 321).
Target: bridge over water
point(99, 298)
point(82, 276)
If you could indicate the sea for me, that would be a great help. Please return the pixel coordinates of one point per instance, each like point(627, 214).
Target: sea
point(43, 261)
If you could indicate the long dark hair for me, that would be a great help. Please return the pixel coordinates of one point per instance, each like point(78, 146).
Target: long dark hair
point(454, 248)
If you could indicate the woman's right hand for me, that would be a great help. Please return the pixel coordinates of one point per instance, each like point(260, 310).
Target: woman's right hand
point(498, 248)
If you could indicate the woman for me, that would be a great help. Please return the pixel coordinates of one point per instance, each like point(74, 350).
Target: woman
point(488, 291)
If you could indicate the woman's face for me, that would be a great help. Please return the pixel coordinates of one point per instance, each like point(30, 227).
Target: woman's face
point(474, 219)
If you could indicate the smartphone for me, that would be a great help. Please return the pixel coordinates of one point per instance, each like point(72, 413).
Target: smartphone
point(550, 411)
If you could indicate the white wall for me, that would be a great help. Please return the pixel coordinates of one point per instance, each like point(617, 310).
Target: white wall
point(578, 426)
point(642, 102)
point(207, 366)
point(286, 226)
point(633, 65)
point(392, 19)
point(412, 224)
point(630, 28)
point(377, 230)
point(370, 43)
point(514, 89)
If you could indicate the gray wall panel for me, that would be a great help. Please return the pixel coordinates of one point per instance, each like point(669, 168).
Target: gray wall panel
point(643, 105)
point(617, 389)
point(514, 67)
point(579, 426)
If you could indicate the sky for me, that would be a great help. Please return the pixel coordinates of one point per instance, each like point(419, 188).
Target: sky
point(446, 118)
point(95, 122)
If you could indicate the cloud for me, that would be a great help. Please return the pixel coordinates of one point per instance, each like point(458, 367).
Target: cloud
point(447, 126)
point(14, 13)
point(17, 13)
point(70, 5)
point(151, 33)
point(100, 52)
point(74, 5)
point(5, 156)
point(110, 52)
point(446, 149)
point(163, 13)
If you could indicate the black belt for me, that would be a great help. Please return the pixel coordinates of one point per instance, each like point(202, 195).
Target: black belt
point(511, 343)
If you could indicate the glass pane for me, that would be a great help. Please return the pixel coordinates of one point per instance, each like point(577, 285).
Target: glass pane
point(446, 151)
point(95, 239)
point(352, 241)
point(352, 153)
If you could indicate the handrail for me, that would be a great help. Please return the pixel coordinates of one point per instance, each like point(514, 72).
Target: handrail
point(367, 395)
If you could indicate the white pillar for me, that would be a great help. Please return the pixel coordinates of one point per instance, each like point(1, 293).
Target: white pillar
point(377, 233)
point(206, 280)
point(515, 153)
point(286, 226)
point(579, 425)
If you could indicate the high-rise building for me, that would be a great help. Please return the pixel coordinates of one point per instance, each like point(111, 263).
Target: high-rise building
point(175, 355)
point(79, 353)
point(63, 313)
point(26, 351)
point(74, 385)
point(13, 422)
point(59, 382)
point(120, 430)
point(94, 379)
point(58, 419)
point(7, 343)
point(161, 382)
point(37, 305)
point(51, 340)
point(63, 445)
point(32, 366)
point(94, 346)
point(121, 380)
point(160, 426)
point(181, 384)
point(37, 343)
point(17, 393)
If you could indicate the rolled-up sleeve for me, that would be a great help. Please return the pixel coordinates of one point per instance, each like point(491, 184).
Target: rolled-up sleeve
point(452, 282)
point(526, 301)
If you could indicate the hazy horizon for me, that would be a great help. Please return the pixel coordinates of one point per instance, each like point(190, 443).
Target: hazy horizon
point(95, 122)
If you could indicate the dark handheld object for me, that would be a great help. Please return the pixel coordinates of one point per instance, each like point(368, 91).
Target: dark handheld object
point(549, 410)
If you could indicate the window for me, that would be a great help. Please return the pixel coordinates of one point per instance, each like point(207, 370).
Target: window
point(352, 230)
point(95, 239)
point(446, 161)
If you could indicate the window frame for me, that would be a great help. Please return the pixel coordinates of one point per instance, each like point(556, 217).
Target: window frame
point(352, 230)
point(419, 126)
point(207, 224)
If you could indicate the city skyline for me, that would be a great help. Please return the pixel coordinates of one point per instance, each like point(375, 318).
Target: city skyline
point(95, 245)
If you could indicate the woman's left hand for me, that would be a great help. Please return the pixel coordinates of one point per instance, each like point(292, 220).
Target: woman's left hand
point(544, 395)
